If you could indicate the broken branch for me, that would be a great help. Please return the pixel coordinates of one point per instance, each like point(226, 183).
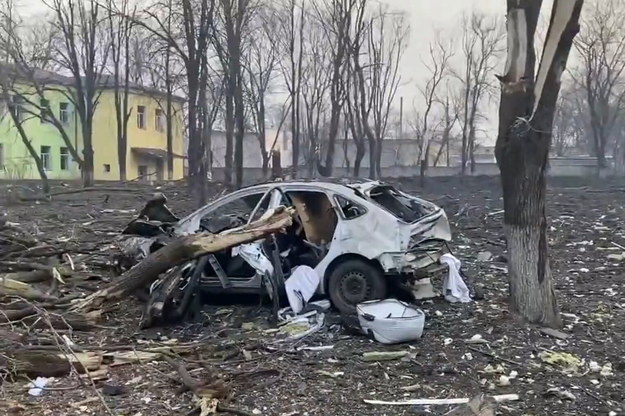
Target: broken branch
point(185, 249)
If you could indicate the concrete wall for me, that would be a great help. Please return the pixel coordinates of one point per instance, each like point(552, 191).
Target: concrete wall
point(253, 175)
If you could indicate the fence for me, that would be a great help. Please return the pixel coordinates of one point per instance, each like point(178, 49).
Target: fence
point(253, 175)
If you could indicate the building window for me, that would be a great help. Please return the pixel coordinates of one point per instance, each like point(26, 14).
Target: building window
point(64, 158)
point(159, 120)
point(16, 106)
point(141, 116)
point(107, 168)
point(44, 110)
point(45, 157)
point(64, 113)
point(142, 171)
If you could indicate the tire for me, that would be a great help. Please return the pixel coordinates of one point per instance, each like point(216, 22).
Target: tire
point(355, 281)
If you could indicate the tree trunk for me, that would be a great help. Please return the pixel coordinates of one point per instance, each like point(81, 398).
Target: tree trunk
point(229, 131)
point(169, 115)
point(472, 148)
point(33, 153)
point(240, 133)
point(360, 154)
point(87, 173)
point(182, 250)
point(276, 165)
point(372, 157)
point(526, 116)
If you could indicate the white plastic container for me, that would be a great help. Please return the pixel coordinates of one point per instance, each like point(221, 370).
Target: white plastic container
point(390, 321)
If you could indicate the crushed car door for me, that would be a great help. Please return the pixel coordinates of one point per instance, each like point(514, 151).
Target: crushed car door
point(252, 253)
point(226, 266)
point(265, 258)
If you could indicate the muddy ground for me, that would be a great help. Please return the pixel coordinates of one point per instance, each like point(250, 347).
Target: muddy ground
point(269, 378)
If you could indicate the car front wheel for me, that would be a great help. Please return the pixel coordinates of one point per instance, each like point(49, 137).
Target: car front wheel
point(353, 282)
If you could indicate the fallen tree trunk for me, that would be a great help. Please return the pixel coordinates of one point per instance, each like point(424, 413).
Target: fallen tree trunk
point(185, 249)
point(30, 316)
point(9, 287)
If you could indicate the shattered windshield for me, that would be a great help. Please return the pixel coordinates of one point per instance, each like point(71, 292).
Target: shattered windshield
point(404, 207)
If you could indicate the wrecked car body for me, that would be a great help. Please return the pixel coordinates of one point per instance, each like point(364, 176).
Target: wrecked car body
point(357, 237)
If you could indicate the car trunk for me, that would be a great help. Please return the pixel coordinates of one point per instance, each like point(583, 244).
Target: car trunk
point(407, 209)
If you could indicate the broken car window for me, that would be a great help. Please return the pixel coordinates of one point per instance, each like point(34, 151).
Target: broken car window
point(402, 206)
point(349, 209)
point(232, 214)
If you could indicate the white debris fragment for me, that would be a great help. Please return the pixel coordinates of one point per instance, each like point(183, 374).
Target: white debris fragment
point(484, 256)
point(606, 370)
point(594, 367)
point(37, 386)
point(561, 394)
point(476, 339)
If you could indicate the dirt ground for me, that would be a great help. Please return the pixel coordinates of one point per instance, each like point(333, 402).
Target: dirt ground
point(236, 341)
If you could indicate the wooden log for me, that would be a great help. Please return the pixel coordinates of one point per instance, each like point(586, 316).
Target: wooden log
point(185, 249)
point(33, 276)
point(50, 363)
point(69, 320)
point(9, 287)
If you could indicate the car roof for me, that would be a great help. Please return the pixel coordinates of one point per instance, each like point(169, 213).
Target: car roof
point(335, 184)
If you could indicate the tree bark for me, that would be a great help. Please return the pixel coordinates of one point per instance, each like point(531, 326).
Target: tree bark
point(526, 116)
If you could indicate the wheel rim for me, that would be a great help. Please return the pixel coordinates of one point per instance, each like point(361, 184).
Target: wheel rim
point(354, 287)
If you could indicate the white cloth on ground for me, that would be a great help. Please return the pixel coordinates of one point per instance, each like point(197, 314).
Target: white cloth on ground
point(301, 286)
point(454, 288)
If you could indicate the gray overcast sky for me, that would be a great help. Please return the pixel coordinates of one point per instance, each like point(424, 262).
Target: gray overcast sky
point(426, 18)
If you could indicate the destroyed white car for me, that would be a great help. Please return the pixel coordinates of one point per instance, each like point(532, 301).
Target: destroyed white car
point(357, 237)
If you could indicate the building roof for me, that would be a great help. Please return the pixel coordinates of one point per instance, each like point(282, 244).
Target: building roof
point(50, 77)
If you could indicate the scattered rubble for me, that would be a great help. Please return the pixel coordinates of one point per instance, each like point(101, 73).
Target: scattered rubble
point(109, 363)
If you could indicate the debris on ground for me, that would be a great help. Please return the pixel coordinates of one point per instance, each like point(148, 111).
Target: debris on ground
point(105, 361)
point(384, 355)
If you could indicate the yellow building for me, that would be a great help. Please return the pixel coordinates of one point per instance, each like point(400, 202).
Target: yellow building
point(146, 152)
point(146, 156)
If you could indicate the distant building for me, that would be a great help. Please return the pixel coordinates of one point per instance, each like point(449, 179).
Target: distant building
point(252, 157)
point(147, 140)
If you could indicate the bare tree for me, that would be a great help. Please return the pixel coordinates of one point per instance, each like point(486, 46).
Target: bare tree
point(81, 49)
point(449, 119)
point(315, 82)
point(528, 104)
point(260, 62)
point(28, 49)
point(290, 42)
point(336, 19)
point(569, 127)
point(359, 91)
point(187, 27)
point(438, 69)
point(233, 18)
point(8, 79)
point(481, 45)
point(386, 46)
point(157, 67)
point(121, 33)
point(601, 47)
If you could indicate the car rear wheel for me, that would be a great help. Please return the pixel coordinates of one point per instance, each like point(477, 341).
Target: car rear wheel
point(355, 281)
